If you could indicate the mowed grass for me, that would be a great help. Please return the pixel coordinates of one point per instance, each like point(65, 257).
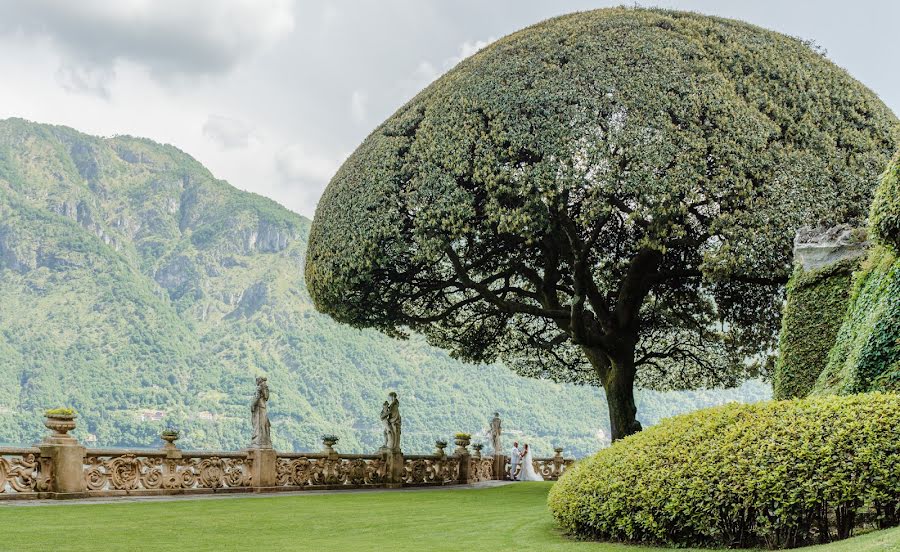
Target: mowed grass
point(512, 517)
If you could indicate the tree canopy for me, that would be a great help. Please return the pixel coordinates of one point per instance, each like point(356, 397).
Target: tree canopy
point(606, 197)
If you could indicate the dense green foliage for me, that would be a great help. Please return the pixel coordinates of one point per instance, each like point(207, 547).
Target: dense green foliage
point(776, 474)
point(866, 353)
point(513, 517)
point(607, 197)
point(133, 283)
point(885, 217)
point(813, 313)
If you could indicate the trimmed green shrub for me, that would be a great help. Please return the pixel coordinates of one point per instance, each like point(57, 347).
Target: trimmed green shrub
point(866, 353)
point(816, 303)
point(885, 216)
point(774, 474)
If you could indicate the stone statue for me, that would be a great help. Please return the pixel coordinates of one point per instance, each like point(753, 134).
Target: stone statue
point(262, 436)
point(495, 432)
point(386, 426)
point(390, 418)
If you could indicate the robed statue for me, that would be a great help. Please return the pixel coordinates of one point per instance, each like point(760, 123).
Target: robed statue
point(262, 436)
point(495, 432)
point(390, 420)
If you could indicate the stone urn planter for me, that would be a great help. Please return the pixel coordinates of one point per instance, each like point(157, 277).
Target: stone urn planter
point(558, 451)
point(169, 436)
point(477, 448)
point(60, 421)
point(440, 445)
point(329, 441)
point(462, 441)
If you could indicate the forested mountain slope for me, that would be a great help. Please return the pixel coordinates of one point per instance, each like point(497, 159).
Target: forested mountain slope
point(142, 291)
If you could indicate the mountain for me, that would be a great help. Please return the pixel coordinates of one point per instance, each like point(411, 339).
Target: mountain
point(144, 292)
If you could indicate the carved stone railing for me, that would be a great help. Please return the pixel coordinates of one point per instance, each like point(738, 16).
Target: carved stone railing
point(551, 468)
point(481, 468)
point(302, 470)
point(118, 471)
point(421, 469)
point(23, 473)
point(61, 467)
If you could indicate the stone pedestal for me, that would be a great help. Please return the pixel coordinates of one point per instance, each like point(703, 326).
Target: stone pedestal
point(500, 467)
point(393, 467)
point(465, 473)
point(65, 456)
point(66, 466)
point(264, 469)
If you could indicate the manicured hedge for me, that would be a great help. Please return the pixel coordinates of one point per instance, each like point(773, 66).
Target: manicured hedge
point(776, 474)
point(816, 303)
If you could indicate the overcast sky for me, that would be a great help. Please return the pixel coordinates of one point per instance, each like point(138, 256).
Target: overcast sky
point(272, 95)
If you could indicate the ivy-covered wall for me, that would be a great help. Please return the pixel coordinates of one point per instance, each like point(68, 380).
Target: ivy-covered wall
point(816, 303)
point(866, 353)
point(885, 214)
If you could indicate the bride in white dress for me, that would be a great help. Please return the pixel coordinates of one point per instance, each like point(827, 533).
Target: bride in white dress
point(528, 473)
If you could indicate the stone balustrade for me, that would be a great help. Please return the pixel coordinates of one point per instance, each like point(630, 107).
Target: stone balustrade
point(60, 467)
point(23, 473)
point(549, 468)
point(302, 470)
point(118, 471)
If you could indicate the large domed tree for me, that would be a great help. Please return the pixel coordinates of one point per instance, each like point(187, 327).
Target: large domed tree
point(606, 197)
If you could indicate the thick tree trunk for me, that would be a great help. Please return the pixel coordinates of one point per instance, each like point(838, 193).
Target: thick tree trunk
point(617, 373)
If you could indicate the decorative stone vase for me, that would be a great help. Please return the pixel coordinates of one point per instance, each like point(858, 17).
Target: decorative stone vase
point(169, 437)
point(329, 443)
point(559, 451)
point(60, 424)
point(440, 445)
point(461, 444)
point(477, 447)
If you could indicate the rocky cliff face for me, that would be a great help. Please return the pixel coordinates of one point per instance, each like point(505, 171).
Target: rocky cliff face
point(133, 282)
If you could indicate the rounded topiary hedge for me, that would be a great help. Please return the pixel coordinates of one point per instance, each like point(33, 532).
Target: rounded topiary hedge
point(776, 474)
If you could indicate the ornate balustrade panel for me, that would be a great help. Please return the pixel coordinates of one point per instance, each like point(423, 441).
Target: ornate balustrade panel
point(112, 470)
point(430, 470)
point(23, 471)
point(318, 470)
point(549, 468)
point(481, 469)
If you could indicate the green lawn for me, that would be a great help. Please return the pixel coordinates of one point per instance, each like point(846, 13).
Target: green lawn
point(510, 517)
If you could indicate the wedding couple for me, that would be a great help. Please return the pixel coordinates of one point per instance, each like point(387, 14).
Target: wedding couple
point(521, 466)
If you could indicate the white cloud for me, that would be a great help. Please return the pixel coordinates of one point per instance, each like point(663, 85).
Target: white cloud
point(85, 79)
point(466, 49)
point(426, 72)
point(169, 37)
point(300, 164)
point(227, 133)
point(358, 103)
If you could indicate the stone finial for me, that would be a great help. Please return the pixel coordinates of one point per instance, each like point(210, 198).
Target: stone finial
point(816, 248)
